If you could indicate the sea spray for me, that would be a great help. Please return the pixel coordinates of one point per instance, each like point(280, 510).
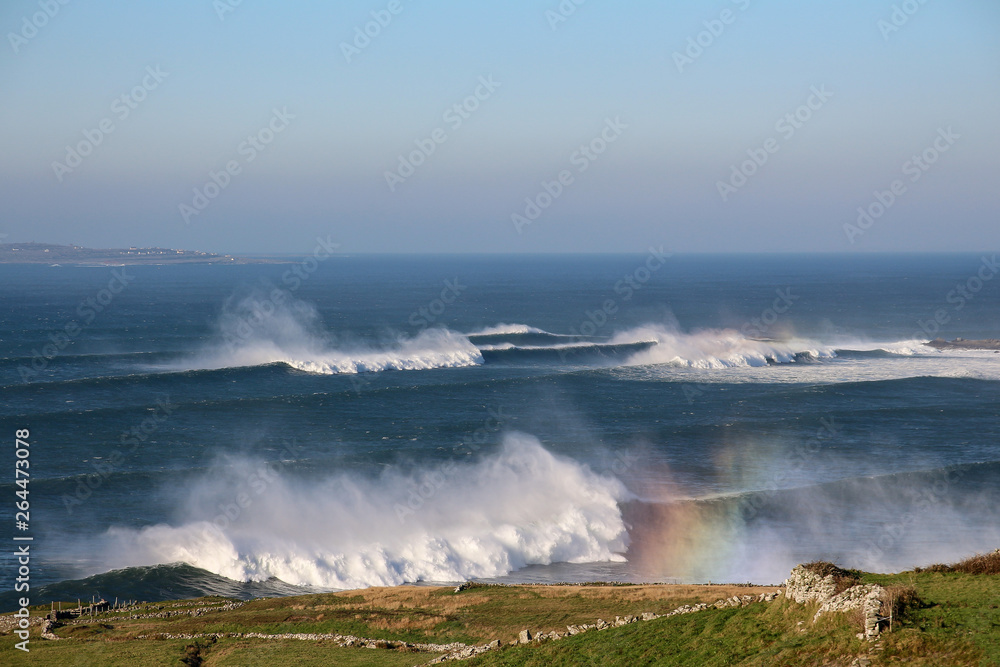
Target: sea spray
point(521, 506)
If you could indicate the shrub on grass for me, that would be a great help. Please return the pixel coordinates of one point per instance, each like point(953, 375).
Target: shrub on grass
point(937, 567)
point(193, 653)
point(978, 564)
point(897, 600)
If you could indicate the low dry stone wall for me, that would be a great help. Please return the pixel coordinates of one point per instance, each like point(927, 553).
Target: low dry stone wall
point(453, 651)
point(527, 637)
point(806, 586)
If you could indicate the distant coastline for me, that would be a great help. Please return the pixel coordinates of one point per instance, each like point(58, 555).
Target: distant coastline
point(48, 253)
point(962, 344)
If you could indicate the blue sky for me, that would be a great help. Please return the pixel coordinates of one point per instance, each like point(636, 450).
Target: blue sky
point(673, 127)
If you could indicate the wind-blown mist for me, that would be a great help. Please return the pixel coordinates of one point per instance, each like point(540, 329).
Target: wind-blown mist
point(884, 524)
point(526, 506)
point(452, 522)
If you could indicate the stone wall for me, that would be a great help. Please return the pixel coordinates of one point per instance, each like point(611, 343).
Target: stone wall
point(805, 586)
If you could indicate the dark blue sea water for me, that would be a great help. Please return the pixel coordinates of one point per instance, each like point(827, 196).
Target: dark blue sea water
point(368, 420)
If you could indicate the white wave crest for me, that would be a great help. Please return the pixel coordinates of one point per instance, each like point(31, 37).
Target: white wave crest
point(714, 348)
point(905, 348)
point(521, 506)
point(434, 348)
point(499, 347)
point(509, 329)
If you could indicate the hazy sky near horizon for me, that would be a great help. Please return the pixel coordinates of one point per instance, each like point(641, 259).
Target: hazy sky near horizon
point(699, 126)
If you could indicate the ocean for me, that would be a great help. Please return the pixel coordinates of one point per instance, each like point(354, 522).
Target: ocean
point(351, 421)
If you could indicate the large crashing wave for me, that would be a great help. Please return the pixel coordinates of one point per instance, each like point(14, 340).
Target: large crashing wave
point(521, 506)
point(256, 330)
point(259, 329)
point(715, 348)
point(434, 348)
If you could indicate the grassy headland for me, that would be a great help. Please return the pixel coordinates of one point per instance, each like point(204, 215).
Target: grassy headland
point(942, 615)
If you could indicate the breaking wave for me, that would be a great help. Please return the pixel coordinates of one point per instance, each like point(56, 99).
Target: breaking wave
point(255, 330)
point(435, 348)
point(258, 329)
point(520, 506)
point(904, 348)
point(716, 348)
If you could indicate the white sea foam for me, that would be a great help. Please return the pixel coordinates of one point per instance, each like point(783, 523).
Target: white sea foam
point(521, 506)
point(434, 348)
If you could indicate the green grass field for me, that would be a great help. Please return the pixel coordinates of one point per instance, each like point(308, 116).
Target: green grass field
point(955, 622)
